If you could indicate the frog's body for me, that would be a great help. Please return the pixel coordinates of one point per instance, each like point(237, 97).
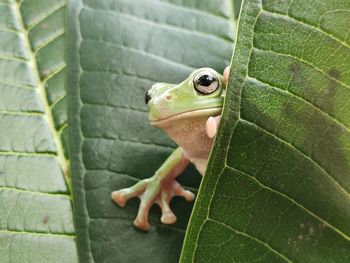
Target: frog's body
point(189, 132)
point(190, 114)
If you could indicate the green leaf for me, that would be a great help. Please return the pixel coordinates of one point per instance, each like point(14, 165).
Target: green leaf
point(36, 219)
point(117, 50)
point(278, 187)
point(237, 7)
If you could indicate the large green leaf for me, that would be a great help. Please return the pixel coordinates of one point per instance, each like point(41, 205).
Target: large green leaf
point(278, 185)
point(117, 50)
point(36, 219)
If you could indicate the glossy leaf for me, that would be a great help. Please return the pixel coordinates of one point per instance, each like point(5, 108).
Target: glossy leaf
point(117, 50)
point(278, 185)
point(36, 219)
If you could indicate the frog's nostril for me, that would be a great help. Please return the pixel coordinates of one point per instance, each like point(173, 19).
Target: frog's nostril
point(147, 97)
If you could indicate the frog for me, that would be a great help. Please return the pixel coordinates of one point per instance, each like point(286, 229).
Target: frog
point(190, 113)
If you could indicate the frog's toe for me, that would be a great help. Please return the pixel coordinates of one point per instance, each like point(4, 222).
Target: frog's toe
point(180, 191)
point(168, 217)
point(122, 196)
point(141, 220)
point(119, 197)
point(142, 224)
point(188, 195)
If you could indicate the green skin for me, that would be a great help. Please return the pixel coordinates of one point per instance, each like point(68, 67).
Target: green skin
point(190, 118)
point(184, 98)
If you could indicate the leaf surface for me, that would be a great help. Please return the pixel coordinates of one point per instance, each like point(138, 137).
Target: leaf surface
point(36, 219)
point(278, 184)
point(118, 50)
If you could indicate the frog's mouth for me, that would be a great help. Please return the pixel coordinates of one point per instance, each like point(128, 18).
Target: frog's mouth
point(185, 115)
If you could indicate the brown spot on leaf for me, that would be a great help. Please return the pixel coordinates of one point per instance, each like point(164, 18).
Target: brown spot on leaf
point(44, 26)
point(294, 67)
point(298, 78)
point(46, 219)
point(334, 73)
point(288, 108)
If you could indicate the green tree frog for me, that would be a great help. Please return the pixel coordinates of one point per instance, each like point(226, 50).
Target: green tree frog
point(190, 114)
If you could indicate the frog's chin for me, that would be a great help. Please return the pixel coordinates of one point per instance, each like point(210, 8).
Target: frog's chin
point(185, 115)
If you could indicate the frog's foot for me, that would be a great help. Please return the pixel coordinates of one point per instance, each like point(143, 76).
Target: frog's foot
point(152, 191)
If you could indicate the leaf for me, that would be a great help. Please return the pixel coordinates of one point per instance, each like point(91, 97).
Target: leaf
point(277, 187)
point(36, 220)
point(117, 50)
point(237, 7)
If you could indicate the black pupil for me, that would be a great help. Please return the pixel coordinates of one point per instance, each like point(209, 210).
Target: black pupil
point(205, 80)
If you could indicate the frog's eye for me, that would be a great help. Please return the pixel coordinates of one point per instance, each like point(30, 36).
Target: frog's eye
point(206, 82)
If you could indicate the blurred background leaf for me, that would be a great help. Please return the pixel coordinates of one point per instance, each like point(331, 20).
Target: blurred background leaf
point(36, 219)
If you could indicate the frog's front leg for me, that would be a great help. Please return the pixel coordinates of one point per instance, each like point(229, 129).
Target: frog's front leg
point(159, 189)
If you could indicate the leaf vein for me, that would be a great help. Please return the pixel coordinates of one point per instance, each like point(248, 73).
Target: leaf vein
point(22, 113)
point(294, 95)
point(142, 52)
point(7, 231)
point(50, 40)
point(192, 10)
point(129, 141)
point(31, 154)
point(18, 85)
point(163, 25)
point(341, 233)
point(47, 15)
point(128, 220)
point(250, 237)
point(305, 62)
point(21, 60)
point(49, 194)
point(302, 154)
point(304, 24)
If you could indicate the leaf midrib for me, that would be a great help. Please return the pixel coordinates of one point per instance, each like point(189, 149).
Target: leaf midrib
point(42, 93)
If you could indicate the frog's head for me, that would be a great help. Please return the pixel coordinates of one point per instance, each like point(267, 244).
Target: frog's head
point(201, 94)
